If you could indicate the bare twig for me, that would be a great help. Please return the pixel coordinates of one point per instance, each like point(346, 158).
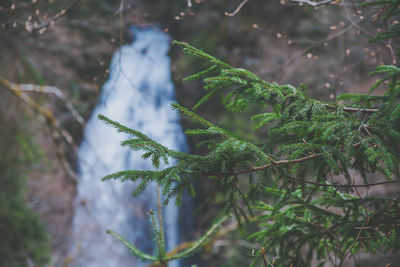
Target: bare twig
point(365, 110)
point(392, 53)
point(314, 3)
point(276, 163)
point(356, 24)
point(49, 22)
point(237, 9)
point(51, 90)
point(55, 126)
point(307, 49)
point(353, 244)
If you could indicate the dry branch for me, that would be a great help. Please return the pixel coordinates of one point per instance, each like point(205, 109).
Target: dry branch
point(31, 27)
point(56, 129)
point(52, 90)
point(236, 10)
point(315, 3)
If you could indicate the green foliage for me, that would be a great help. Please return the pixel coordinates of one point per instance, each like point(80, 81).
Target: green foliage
point(284, 183)
point(162, 257)
point(23, 239)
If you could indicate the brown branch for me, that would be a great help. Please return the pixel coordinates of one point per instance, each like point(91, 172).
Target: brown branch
point(54, 125)
point(264, 256)
point(51, 90)
point(276, 163)
point(30, 27)
point(353, 244)
point(236, 10)
point(343, 185)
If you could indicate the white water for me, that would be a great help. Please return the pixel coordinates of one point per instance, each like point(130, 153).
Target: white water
point(138, 94)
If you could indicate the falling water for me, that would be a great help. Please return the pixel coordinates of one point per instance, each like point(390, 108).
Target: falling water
point(138, 94)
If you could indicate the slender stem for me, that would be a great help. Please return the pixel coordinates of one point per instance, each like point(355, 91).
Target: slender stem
point(276, 163)
point(236, 10)
point(161, 227)
point(158, 240)
point(365, 110)
point(346, 185)
point(314, 3)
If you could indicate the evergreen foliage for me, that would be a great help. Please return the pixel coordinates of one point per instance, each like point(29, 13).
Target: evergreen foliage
point(302, 212)
point(288, 184)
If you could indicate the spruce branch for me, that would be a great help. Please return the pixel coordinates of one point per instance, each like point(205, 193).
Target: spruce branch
point(195, 245)
point(160, 224)
point(257, 89)
point(135, 251)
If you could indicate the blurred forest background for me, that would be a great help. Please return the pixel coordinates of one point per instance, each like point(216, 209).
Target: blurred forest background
point(66, 46)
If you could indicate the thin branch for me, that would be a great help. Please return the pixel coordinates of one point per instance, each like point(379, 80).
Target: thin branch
point(307, 49)
point(378, 226)
point(276, 163)
point(355, 24)
point(353, 244)
point(365, 110)
point(314, 4)
point(51, 90)
point(355, 185)
point(343, 185)
point(160, 224)
point(264, 256)
point(313, 45)
point(49, 22)
point(392, 53)
point(55, 126)
point(237, 9)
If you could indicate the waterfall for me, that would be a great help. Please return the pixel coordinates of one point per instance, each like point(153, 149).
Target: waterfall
point(138, 94)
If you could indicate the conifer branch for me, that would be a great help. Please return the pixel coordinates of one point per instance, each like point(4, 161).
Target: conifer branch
point(316, 138)
point(160, 224)
point(158, 238)
point(135, 251)
point(199, 242)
